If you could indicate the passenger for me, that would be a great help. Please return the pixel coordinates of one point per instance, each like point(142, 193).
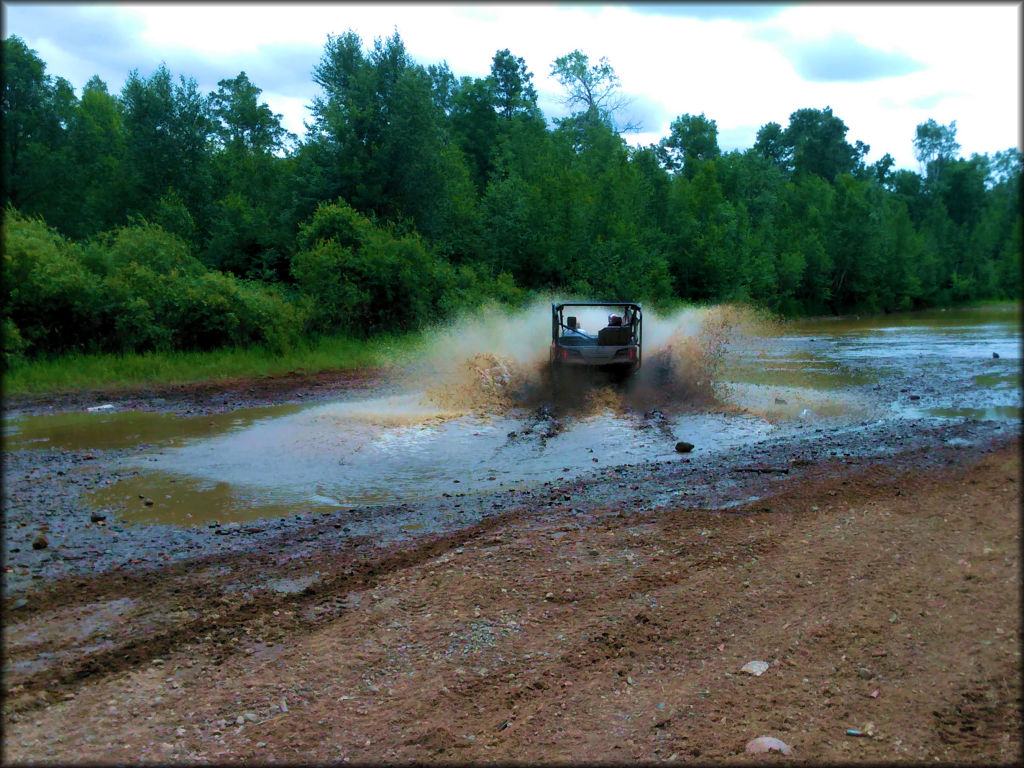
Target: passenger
point(615, 321)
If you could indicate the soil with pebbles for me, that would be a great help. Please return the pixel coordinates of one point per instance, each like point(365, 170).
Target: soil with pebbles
point(875, 568)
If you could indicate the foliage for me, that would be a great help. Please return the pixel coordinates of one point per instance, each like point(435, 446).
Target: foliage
point(191, 221)
point(135, 289)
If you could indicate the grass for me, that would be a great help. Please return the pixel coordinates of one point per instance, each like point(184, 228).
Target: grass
point(78, 371)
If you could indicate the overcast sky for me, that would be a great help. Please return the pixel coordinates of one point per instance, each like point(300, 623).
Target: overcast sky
point(883, 68)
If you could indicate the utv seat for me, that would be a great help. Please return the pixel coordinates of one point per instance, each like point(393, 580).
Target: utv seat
point(613, 336)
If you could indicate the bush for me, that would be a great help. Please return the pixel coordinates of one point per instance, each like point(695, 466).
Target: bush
point(363, 278)
point(50, 298)
point(135, 289)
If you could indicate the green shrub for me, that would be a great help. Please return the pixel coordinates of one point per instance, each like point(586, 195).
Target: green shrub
point(136, 289)
point(49, 296)
point(366, 279)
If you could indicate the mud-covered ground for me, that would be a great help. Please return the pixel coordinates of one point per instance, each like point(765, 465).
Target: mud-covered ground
point(873, 567)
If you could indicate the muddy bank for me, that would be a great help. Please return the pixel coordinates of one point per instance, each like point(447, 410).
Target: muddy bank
point(205, 397)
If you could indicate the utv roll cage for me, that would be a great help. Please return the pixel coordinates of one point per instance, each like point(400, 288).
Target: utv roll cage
point(616, 349)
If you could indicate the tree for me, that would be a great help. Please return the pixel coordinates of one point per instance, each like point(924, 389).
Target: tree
point(377, 133)
point(443, 85)
point(591, 89)
point(771, 144)
point(474, 124)
point(934, 147)
point(36, 111)
point(248, 233)
point(817, 141)
point(96, 144)
point(693, 139)
point(514, 93)
point(240, 121)
point(166, 130)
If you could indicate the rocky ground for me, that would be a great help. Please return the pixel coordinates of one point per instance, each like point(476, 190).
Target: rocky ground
point(875, 571)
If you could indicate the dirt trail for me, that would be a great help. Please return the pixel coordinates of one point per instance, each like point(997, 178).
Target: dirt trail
point(603, 619)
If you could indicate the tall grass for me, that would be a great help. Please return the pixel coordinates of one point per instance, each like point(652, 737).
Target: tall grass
point(129, 371)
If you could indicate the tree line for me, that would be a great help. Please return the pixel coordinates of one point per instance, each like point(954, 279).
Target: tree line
point(161, 217)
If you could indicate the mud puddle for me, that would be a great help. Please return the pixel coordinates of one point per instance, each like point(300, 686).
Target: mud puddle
point(481, 422)
point(105, 427)
point(392, 450)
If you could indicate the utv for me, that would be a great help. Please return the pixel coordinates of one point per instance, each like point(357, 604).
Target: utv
point(613, 350)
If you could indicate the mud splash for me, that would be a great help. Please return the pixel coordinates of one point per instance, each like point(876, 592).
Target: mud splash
point(492, 362)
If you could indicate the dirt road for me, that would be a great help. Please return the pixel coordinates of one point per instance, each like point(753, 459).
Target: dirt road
point(876, 573)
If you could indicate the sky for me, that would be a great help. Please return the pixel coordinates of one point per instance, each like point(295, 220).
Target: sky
point(883, 68)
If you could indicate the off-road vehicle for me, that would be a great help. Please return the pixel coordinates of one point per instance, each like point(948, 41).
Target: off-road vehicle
point(612, 351)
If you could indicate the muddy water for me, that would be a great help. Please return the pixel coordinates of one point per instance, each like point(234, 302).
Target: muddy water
point(102, 428)
point(772, 383)
point(943, 364)
point(388, 450)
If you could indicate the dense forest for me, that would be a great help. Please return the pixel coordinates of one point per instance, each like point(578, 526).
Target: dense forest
point(164, 218)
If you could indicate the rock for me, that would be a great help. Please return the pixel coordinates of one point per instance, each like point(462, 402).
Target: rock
point(755, 668)
point(21, 602)
point(40, 542)
point(780, 401)
point(915, 397)
point(683, 447)
point(763, 745)
point(995, 355)
point(104, 407)
point(97, 517)
point(148, 502)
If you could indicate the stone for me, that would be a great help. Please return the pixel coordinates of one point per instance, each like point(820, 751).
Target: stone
point(995, 355)
point(763, 745)
point(755, 668)
point(40, 542)
point(97, 517)
point(683, 447)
